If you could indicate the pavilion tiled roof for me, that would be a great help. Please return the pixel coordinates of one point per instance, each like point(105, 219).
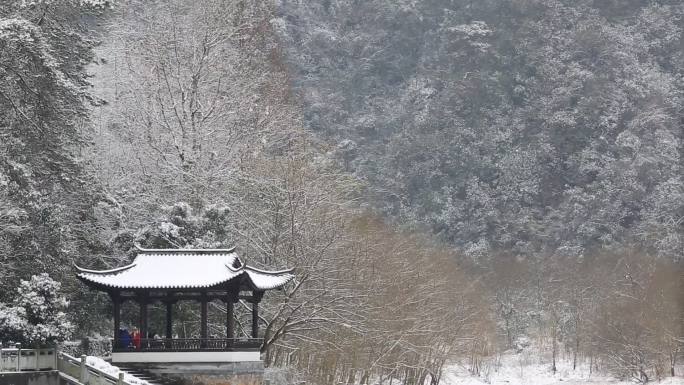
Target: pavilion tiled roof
point(185, 269)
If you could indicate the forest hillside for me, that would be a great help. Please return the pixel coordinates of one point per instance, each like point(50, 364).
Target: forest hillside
point(543, 127)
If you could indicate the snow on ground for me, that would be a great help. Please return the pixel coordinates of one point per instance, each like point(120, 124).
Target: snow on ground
point(106, 367)
point(515, 369)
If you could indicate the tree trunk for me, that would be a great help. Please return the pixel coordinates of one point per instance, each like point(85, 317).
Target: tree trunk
point(508, 332)
point(352, 376)
point(555, 347)
point(574, 353)
point(643, 376)
point(364, 379)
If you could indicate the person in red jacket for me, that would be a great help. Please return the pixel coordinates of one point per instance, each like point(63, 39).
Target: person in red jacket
point(136, 338)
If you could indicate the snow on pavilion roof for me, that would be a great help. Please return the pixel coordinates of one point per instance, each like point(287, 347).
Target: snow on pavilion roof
point(184, 268)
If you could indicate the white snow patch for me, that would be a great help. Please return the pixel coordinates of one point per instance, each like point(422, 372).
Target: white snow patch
point(108, 368)
point(516, 369)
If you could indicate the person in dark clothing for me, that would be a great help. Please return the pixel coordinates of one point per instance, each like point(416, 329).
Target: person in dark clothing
point(124, 338)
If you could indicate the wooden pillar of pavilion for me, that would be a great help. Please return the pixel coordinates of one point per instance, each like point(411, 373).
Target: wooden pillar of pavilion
point(203, 319)
point(231, 298)
point(255, 319)
point(116, 301)
point(142, 301)
point(169, 319)
point(256, 298)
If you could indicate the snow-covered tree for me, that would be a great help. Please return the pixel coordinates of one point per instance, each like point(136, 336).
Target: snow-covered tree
point(37, 316)
point(13, 323)
point(46, 192)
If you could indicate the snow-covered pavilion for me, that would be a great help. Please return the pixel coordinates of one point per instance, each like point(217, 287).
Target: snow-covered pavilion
point(172, 275)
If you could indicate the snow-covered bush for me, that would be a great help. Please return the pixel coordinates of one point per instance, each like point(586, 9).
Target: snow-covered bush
point(37, 314)
point(521, 343)
point(12, 322)
point(98, 346)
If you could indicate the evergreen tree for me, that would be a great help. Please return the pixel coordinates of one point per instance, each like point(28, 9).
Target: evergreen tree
point(46, 193)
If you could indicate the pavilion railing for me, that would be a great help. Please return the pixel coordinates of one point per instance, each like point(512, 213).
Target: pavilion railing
point(189, 345)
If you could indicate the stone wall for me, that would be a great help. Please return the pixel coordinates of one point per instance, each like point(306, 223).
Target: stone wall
point(217, 379)
point(229, 373)
point(50, 377)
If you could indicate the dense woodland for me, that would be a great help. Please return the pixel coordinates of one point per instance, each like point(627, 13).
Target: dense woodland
point(452, 179)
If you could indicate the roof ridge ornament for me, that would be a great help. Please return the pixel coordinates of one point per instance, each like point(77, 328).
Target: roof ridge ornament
point(144, 250)
point(237, 263)
point(236, 266)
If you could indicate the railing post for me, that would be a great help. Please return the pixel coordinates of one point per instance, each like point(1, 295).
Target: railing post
point(56, 358)
point(84, 370)
point(36, 354)
point(120, 381)
point(18, 346)
point(2, 364)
